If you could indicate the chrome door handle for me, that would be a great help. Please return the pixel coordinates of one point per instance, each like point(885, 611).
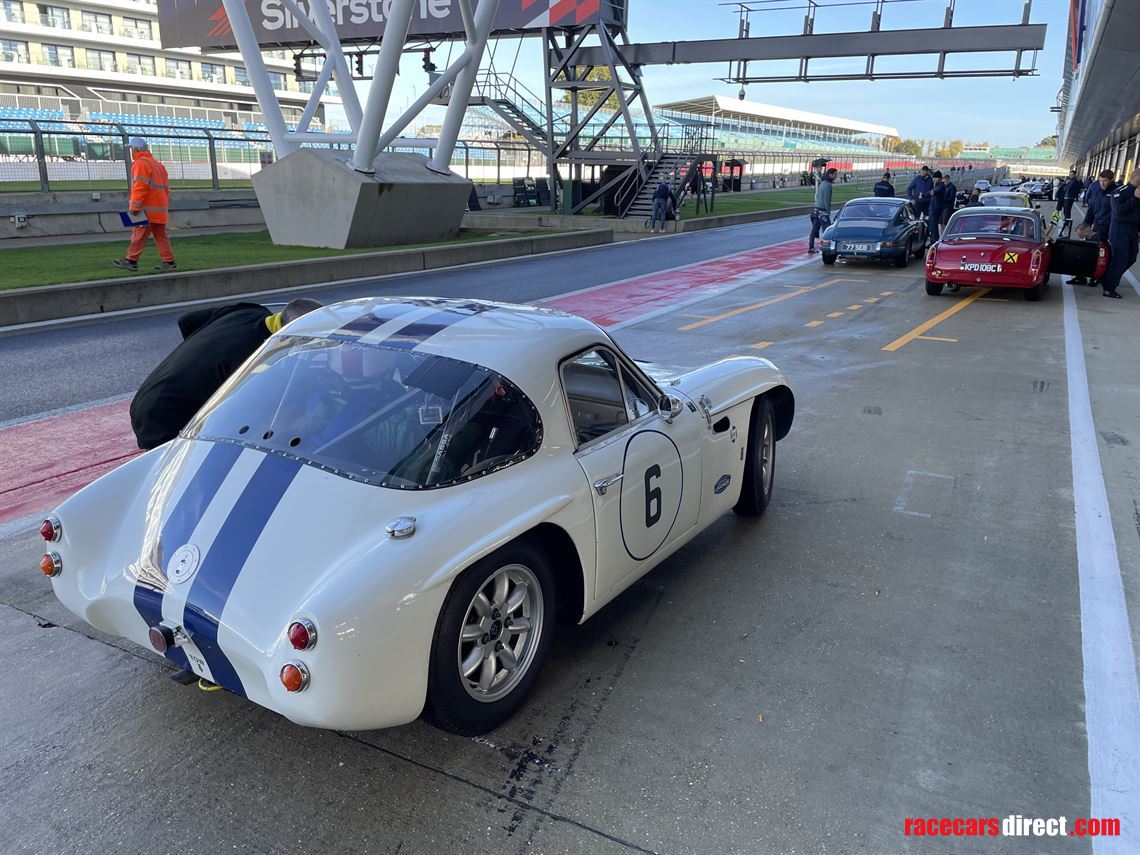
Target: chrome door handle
point(603, 484)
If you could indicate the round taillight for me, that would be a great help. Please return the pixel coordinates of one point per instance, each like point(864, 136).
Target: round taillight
point(302, 634)
point(51, 564)
point(161, 638)
point(50, 530)
point(294, 676)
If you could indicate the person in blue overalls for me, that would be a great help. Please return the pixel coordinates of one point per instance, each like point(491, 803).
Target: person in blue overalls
point(949, 198)
point(1098, 216)
point(1123, 233)
point(885, 188)
point(919, 189)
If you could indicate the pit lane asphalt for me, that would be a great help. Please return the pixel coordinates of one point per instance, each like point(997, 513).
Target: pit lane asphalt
point(899, 636)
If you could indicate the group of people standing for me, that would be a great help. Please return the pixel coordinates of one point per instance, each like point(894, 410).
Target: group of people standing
point(1112, 215)
point(935, 196)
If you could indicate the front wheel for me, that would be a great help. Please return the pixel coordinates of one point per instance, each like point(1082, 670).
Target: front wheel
point(491, 638)
point(759, 462)
point(933, 288)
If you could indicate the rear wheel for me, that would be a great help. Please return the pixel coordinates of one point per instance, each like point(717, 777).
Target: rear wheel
point(902, 260)
point(491, 638)
point(828, 257)
point(759, 461)
point(933, 288)
point(1033, 294)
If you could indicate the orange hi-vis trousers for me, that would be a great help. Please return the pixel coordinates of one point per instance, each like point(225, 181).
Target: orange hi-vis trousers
point(139, 235)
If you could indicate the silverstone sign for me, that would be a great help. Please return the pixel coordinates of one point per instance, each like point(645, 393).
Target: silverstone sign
point(203, 23)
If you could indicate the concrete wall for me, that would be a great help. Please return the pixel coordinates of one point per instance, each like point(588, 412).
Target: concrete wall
point(29, 305)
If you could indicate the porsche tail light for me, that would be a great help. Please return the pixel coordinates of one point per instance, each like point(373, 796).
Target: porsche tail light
point(51, 530)
point(51, 564)
point(294, 676)
point(302, 634)
point(1035, 263)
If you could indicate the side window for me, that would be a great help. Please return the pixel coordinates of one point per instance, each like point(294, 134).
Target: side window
point(637, 396)
point(594, 394)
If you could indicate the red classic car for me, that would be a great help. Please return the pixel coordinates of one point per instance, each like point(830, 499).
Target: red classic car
point(1006, 248)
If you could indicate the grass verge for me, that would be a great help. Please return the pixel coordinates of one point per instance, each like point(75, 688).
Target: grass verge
point(28, 266)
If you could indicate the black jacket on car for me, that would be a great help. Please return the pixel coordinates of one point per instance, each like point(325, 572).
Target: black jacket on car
point(215, 343)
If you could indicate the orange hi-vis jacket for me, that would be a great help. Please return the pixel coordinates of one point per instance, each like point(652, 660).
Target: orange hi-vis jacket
point(150, 188)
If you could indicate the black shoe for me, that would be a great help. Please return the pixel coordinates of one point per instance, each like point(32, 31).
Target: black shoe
point(167, 265)
point(1077, 280)
point(812, 249)
point(1113, 295)
point(1092, 283)
point(125, 264)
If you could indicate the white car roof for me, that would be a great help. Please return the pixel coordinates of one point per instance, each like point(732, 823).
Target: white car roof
point(523, 343)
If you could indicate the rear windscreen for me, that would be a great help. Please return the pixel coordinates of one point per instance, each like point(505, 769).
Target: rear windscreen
point(389, 416)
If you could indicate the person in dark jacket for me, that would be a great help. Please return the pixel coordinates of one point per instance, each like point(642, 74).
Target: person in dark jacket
point(975, 200)
point(215, 342)
point(663, 199)
point(919, 189)
point(934, 212)
point(1098, 216)
point(949, 198)
point(885, 188)
point(1123, 233)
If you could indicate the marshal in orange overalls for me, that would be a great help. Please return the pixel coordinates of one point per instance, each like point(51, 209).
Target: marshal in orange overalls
point(150, 194)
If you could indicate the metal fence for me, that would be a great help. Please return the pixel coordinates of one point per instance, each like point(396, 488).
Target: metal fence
point(45, 156)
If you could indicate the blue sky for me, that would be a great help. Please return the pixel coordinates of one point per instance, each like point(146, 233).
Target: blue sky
point(1001, 111)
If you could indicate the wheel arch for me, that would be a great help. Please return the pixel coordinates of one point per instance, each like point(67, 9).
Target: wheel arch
point(783, 409)
point(556, 543)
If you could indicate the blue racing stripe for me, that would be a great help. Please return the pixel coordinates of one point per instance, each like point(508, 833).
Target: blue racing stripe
point(374, 318)
point(224, 561)
point(176, 531)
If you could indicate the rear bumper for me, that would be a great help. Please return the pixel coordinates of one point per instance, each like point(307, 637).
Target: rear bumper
point(981, 280)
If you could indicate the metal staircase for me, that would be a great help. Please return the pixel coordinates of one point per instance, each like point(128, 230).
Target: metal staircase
point(520, 108)
point(670, 168)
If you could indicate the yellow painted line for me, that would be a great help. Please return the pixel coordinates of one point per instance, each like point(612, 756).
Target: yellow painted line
point(885, 293)
point(996, 299)
point(871, 300)
point(935, 338)
point(693, 316)
point(761, 305)
point(856, 306)
point(835, 314)
point(813, 323)
point(927, 326)
point(760, 345)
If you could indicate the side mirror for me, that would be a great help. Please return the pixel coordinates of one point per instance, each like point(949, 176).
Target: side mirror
point(670, 408)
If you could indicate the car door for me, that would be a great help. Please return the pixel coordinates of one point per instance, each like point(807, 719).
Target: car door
point(643, 468)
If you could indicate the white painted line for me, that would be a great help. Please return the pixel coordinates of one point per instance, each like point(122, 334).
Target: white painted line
point(1135, 283)
point(1112, 700)
point(908, 485)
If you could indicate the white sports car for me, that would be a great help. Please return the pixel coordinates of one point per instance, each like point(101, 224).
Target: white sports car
point(381, 512)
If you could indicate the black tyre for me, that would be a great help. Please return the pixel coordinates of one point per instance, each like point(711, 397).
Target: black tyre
point(491, 638)
point(904, 259)
point(933, 288)
point(759, 461)
point(1033, 294)
point(828, 257)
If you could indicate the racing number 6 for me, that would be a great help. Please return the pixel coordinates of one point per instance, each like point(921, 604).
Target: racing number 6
point(652, 496)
